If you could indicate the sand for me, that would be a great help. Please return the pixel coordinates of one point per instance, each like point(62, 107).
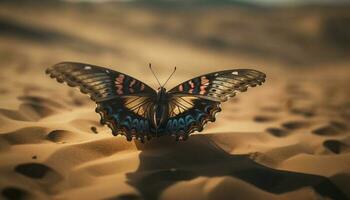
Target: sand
point(287, 139)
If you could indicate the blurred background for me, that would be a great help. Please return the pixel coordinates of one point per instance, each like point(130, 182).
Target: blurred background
point(296, 43)
point(193, 35)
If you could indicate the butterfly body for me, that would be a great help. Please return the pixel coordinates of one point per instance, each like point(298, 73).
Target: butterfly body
point(160, 108)
point(135, 110)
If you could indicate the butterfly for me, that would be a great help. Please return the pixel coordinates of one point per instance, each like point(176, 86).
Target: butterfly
point(132, 108)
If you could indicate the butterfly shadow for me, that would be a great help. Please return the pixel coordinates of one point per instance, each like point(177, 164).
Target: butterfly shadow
point(164, 162)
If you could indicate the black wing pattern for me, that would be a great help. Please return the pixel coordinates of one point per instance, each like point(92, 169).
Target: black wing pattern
point(122, 101)
point(219, 86)
point(195, 102)
point(188, 114)
point(126, 120)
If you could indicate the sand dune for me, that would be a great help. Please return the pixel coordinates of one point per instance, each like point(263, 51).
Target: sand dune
point(288, 139)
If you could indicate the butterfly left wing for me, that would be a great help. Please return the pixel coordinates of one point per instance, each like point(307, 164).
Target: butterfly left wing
point(195, 102)
point(122, 101)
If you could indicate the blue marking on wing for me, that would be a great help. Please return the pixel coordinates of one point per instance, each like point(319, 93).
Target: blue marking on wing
point(181, 123)
point(135, 124)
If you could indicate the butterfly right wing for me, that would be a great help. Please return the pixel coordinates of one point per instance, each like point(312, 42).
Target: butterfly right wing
point(122, 101)
point(98, 82)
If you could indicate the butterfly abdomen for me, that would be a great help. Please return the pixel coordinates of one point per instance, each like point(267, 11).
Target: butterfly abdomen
point(160, 109)
point(159, 114)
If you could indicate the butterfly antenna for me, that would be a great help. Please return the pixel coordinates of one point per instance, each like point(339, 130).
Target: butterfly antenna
point(169, 77)
point(150, 67)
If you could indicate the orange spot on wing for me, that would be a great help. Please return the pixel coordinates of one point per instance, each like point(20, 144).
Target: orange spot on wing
point(120, 78)
point(132, 83)
point(204, 80)
point(202, 89)
point(119, 89)
point(191, 84)
point(181, 88)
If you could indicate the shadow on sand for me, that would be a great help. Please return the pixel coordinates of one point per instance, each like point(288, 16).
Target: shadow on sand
point(163, 162)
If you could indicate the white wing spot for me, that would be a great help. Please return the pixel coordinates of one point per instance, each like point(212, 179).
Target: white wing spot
point(87, 67)
point(107, 71)
point(216, 74)
point(235, 73)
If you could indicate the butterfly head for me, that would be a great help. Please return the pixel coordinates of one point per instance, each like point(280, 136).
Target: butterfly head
point(161, 94)
point(161, 89)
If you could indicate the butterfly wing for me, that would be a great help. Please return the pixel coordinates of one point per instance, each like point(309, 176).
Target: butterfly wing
point(219, 86)
point(128, 116)
point(99, 83)
point(195, 102)
point(188, 114)
point(122, 101)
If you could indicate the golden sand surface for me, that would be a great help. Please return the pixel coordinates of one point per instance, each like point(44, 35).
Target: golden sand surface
point(287, 139)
